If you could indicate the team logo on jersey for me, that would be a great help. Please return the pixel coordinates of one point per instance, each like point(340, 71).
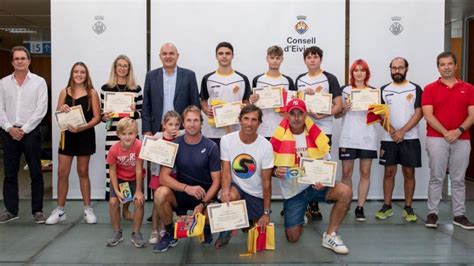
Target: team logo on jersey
point(99, 26)
point(410, 97)
point(244, 166)
point(301, 27)
point(396, 28)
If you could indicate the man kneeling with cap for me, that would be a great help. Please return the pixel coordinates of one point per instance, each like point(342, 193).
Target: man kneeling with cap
point(297, 137)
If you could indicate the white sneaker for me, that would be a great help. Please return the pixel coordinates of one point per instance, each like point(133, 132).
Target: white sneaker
point(334, 242)
point(89, 215)
point(154, 237)
point(56, 216)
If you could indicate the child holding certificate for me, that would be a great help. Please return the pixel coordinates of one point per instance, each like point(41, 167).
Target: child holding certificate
point(358, 140)
point(126, 167)
point(77, 141)
point(121, 80)
point(170, 124)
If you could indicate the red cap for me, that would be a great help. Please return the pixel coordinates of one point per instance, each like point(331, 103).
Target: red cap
point(296, 104)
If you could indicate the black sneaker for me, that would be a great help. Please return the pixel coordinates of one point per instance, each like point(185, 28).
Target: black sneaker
point(207, 235)
point(463, 222)
point(432, 220)
point(359, 214)
point(313, 213)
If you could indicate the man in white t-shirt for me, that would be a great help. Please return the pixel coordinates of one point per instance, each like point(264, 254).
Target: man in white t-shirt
point(402, 145)
point(272, 78)
point(297, 196)
point(225, 85)
point(247, 164)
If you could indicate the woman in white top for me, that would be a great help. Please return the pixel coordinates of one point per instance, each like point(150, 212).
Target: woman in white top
point(358, 140)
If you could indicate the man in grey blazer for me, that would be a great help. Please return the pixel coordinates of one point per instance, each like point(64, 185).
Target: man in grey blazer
point(167, 88)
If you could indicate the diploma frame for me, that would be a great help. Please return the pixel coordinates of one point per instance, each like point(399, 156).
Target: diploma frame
point(220, 223)
point(364, 105)
point(75, 109)
point(110, 94)
point(313, 102)
point(217, 109)
point(166, 145)
point(262, 104)
point(327, 179)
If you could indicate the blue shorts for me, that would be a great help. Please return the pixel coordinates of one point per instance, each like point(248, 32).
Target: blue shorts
point(254, 204)
point(295, 207)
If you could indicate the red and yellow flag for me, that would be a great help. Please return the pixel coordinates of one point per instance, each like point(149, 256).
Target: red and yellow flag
point(284, 144)
point(379, 113)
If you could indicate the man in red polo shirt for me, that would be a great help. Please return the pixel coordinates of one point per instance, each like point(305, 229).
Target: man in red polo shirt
point(448, 107)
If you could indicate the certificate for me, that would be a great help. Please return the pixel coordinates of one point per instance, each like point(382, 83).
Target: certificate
point(119, 102)
point(226, 217)
point(319, 102)
point(75, 118)
point(362, 98)
point(226, 114)
point(318, 171)
point(158, 151)
point(269, 97)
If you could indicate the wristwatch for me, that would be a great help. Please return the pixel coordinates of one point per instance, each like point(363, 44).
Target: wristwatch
point(461, 129)
point(267, 211)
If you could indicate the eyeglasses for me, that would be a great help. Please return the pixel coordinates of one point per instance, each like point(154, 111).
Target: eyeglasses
point(121, 66)
point(20, 58)
point(400, 68)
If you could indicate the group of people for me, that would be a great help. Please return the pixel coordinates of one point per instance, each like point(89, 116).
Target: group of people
point(239, 162)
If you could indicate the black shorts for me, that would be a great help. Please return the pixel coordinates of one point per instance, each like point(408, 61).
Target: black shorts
point(185, 202)
point(352, 154)
point(406, 153)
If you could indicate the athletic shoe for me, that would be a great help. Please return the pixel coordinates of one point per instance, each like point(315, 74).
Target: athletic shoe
point(223, 239)
point(385, 212)
point(334, 242)
point(57, 215)
point(115, 239)
point(137, 240)
point(89, 215)
point(167, 241)
point(463, 222)
point(432, 220)
point(7, 217)
point(409, 214)
point(359, 214)
point(39, 217)
point(154, 237)
point(207, 235)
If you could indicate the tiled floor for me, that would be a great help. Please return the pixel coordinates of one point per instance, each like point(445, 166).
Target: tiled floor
point(374, 242)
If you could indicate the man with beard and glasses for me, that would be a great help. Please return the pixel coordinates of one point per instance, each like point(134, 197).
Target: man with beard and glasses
point(401, 145)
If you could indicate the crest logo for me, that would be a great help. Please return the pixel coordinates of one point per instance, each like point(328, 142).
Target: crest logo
point(396, 28)
point(99, 26)
point(301, 27)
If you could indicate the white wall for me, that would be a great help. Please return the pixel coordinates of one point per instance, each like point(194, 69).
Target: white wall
point(73, 39)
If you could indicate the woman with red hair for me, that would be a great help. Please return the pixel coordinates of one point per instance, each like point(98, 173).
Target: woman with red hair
point(358, 140)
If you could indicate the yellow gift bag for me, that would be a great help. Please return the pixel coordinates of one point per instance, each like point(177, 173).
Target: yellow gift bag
point(189, 226)
point(258, 240)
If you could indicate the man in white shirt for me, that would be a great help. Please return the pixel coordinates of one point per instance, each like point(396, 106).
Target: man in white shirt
point(247, 164)
point(225, 85)
point(23, 104)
